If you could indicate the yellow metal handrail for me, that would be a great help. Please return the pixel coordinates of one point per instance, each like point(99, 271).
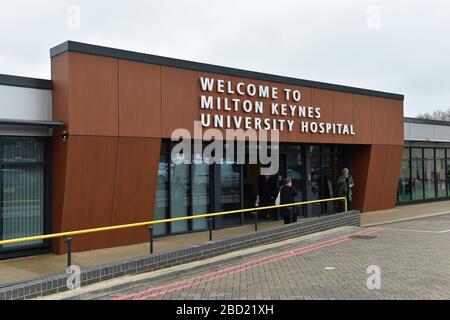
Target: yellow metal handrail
point(148, 223)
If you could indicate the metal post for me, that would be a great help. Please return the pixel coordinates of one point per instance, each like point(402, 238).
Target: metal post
point(256, 220)
point(150, 237)
point(210, 227)
point(68, 241)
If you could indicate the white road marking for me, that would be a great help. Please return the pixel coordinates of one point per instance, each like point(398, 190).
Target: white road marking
point(330, 268)
point(422, 231)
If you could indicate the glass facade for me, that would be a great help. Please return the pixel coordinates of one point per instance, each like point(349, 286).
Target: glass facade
point(22, 193)
point(199, 187)
point(424, 174)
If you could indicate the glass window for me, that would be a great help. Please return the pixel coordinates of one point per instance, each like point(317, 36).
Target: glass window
point(404, 188)
point(314, 182)
point(430, 174)
point(447, 173)
point(162, 199)
point(295, 167)
point(230, 192)
point(328, 179)
point(200, 191)
point(406, 153)
point(179, 195)
point(22, 190)
point(417, 174)
point(22, 150)
point(441, 173)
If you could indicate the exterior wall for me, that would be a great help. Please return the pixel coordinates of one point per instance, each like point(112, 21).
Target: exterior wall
point(423, 130)
point(25, 104)
point(117, 111)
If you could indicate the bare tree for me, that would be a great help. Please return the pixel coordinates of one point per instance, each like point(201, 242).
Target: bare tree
point(436, 115)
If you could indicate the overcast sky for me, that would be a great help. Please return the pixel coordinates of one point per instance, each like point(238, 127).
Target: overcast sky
point(399, 46)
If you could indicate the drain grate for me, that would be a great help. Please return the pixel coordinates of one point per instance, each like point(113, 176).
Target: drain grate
point(363, 237)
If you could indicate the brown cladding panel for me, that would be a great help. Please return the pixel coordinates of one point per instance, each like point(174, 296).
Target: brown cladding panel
point(89, 186)
point(139, 99)
point(60, 91)
point(343, 113)
point(135, 188)
point(392, 175)
point(380, 121)
point(59, 161)
point(362, 119)
point(322, 99)
point(93, 91)
point(382, 178)
point(179, 99)
point(360, 164)
point(396, 130)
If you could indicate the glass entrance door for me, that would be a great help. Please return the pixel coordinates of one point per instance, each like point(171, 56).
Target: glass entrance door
point(230, 193)
point(295, 165)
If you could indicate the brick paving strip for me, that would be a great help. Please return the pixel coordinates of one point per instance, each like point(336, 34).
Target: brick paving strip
point(180, 285)
point(161, 260)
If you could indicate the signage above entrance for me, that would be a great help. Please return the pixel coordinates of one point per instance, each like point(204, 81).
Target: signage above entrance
point(230, 105)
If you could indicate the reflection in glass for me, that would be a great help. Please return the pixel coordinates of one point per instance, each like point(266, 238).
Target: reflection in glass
point(314, 185)
point(430, 174)
point(22, 203)
point(22, 150)
point(440, 173)
point(162, 199)
point(295, 165)
point(179, 196)
point(404, 188)
point(328, 179)
point(22, 189)
point(404, 183)
point(417, 174)
point(230, 192)
point(200, 192)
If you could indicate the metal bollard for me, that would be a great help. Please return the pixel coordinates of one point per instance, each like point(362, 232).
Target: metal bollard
point(256, 220)
point(68, 242)
point(150, 237)
point(210, 227)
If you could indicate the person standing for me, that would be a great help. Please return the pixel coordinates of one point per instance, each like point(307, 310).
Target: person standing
point(345, 184)
point(267, 187)
point(287, 195)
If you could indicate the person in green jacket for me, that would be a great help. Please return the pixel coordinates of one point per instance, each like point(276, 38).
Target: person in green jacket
point(345, 186)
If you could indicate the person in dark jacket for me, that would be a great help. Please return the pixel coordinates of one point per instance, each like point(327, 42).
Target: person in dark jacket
point(287, 195)
point(267, 187)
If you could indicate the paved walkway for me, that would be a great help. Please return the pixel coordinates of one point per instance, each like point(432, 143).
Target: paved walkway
point(405, 213)
point(403, 260)
point(21, 269)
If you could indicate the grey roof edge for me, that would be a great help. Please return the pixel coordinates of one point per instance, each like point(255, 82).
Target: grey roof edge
point(25, 82)
point(197, 66)
point(426, 121)
point(31, 123)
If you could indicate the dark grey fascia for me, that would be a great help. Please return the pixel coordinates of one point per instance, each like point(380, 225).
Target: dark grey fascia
point(16, 81)
point(427, 121)
point(203, 67)
point(31, 123)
